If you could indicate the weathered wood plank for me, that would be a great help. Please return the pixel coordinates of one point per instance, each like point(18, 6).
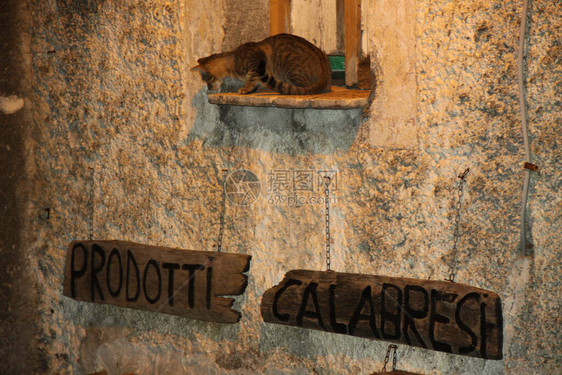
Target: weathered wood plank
point(172, 281)
point(340, 26)
point(352, 40)
point(338, 98)
point(437, 315)
point(280, 16)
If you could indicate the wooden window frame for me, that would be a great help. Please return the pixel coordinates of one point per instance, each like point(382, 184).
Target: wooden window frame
point(280, 19)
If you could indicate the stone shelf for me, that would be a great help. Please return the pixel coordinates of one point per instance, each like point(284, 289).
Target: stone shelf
point(338, 98)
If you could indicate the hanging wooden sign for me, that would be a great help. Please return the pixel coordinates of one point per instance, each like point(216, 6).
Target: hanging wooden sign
point(437, 315)
point(173, 281)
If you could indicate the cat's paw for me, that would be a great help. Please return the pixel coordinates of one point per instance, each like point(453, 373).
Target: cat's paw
point(248, 89)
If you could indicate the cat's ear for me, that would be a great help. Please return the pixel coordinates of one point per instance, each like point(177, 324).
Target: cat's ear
point(198, 68)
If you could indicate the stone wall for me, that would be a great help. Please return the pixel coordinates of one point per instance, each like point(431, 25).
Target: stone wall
point(119, 142)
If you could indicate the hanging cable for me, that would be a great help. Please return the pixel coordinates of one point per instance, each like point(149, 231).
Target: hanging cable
point(523, 110)
point(456, 233)
point(223, 211)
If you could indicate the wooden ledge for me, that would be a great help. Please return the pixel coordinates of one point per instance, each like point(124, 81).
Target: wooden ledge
point(338, 98)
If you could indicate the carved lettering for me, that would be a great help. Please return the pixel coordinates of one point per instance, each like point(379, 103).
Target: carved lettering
point(310, 290)
point(131, 261)
point(95, 269)
point(154, 264)
point(365, 300)
point(171, 267)
point(276, 313)
point(438, 315)
point(435, 317)
point(114, 253)
point(209, 291)
point(389, 299)
point(466, 328)
point(118, 273)
point(411, 312)
point(336, 327)
point(191, 268)
point(74, 273)
point(488, 329)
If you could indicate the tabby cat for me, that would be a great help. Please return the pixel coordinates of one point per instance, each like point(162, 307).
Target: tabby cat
point(287, 64)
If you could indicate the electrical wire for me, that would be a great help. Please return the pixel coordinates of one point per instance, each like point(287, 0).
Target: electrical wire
point(524, 128)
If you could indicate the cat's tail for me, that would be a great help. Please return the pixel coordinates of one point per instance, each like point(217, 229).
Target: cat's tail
point(287, 89)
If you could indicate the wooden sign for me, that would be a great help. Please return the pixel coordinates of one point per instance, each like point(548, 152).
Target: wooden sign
point(437, 315)
point(172, 281)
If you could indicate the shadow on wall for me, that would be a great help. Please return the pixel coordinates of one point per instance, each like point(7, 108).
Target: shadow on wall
point(276, 130)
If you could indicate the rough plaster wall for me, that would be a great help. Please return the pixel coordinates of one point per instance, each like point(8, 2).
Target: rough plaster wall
point(245, 21)
point(123, 145)
point(391, 34)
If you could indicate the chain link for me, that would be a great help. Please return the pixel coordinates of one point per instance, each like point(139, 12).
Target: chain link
point(456, 234)
point(328, 238)
point(391, 347)
point(92, 203)
point(223, 211)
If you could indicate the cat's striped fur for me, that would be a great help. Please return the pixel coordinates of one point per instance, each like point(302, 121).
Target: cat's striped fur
point(285, 63)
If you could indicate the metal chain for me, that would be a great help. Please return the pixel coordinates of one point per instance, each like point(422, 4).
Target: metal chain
point(328, 238)
point(391, 347)
point(223, 211)
point(456, 235)
point(91, 203)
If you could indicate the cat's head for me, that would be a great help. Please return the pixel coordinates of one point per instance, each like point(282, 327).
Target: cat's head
point(213, 69)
